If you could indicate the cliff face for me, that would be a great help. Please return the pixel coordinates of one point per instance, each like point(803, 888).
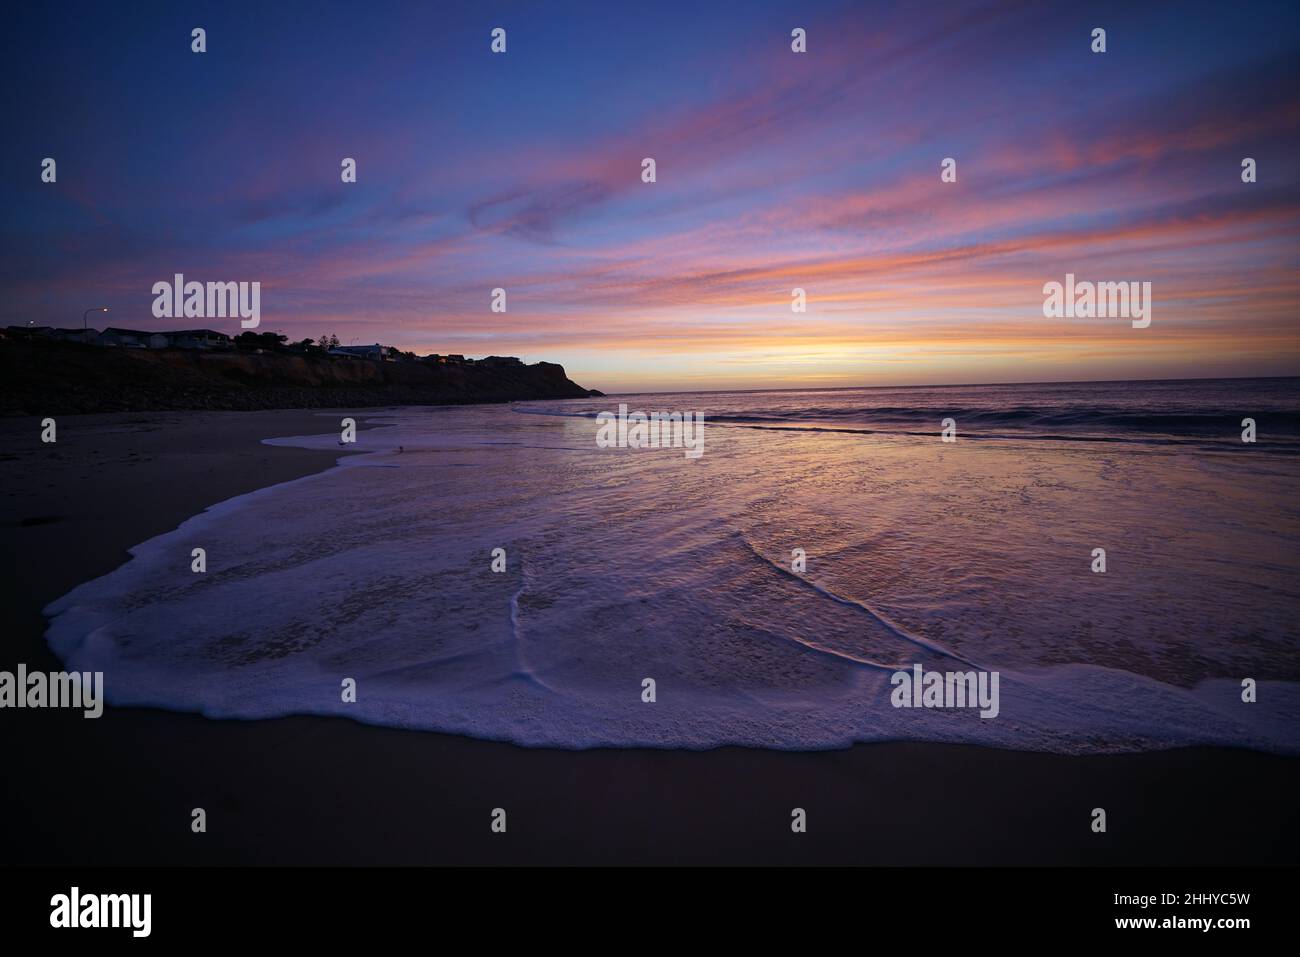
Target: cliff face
point(40, 378)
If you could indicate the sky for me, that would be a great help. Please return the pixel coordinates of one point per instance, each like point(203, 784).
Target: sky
point(774, 170)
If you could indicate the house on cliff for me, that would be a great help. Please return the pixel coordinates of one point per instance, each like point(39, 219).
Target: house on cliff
point(131, 339)
point(375, 351)
point(197, 339)
point(48, 332)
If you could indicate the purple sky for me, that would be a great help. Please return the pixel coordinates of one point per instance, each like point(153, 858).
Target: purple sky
point(775, 170)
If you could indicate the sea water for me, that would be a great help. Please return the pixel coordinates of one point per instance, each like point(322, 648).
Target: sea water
point(623, 564)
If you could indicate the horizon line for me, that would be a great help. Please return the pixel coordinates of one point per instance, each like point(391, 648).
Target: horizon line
point(950, 385)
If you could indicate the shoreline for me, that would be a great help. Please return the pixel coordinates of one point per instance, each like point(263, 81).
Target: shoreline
point(304, 790)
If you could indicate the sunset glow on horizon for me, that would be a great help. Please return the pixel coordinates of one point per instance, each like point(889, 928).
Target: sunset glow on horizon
point(775, 170)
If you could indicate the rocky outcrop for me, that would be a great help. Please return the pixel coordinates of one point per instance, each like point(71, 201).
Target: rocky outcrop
point(40, 378)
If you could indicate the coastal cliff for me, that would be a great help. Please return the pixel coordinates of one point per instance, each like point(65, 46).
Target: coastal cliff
point(40, 378)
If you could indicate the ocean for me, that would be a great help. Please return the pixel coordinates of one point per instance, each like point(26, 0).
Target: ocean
point(770, 588)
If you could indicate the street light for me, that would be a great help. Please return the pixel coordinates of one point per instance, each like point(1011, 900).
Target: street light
point(84, 325)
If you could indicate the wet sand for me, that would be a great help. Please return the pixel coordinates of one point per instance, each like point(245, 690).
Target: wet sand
point(311, 790)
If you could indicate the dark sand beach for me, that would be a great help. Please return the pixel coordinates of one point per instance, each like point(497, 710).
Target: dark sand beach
point(309, 790)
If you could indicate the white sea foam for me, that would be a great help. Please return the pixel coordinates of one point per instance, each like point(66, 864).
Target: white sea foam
point(627, 564)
